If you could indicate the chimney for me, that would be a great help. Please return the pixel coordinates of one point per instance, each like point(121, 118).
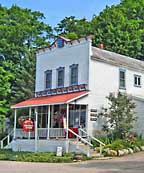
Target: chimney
point(101, 46)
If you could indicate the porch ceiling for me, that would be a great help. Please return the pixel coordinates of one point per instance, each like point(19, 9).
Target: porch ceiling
point(50, 100)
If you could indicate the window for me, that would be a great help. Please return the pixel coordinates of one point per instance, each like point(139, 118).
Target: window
point(60, 42)
point(137, 81)
point(74, 74)
point(122, 83)
point(48, 79)
point(60, 77)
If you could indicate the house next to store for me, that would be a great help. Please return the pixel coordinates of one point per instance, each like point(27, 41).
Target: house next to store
point(73, 79)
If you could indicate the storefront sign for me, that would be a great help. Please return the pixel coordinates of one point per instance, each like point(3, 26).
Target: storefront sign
point(93, 114)
point(93, 119)
point(28, 126)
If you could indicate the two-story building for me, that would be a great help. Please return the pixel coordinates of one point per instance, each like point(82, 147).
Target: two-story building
point(73, 79)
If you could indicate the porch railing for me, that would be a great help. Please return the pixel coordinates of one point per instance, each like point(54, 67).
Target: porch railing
point(6, 140)
point(42, 133)
point(81, 131)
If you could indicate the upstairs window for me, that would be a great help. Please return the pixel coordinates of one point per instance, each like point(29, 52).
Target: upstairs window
point(60, 77)
point(122, 82)
point(48, 79)
point(74, 74)
point(60, 43)
point(137, 80)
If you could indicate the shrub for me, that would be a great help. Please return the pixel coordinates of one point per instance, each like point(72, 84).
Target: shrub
point(34, 157)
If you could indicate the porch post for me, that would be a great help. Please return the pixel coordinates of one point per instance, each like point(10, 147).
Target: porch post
point(67, 126)
point(36, 130)
point(79, 115)
point(67, 122)
point(48, 131)
point(29, 119)
point(15, 117)
point(87, 119)
point(52, 113)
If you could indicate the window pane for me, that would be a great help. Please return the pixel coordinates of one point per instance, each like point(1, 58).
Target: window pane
point(122, 83)
point(139, 81)
point(60, 78)
point(122, 79)
point(48, 79)
point(60, 43)
point(135, 80)
point(122, 75)
point(74, 75)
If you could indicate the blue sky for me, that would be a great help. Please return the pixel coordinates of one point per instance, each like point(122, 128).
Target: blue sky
point(56, 10)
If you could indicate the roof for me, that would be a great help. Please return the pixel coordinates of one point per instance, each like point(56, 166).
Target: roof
point(50, 100)
point(116, 59)
point(66, 40)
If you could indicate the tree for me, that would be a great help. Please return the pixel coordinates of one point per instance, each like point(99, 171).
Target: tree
point(73, 28)
point(119, 116)
point(121, 28)
point(5, 88)
point(22, 31)
point(23, 86)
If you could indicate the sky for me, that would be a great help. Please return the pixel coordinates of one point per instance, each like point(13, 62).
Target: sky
point(56, 10)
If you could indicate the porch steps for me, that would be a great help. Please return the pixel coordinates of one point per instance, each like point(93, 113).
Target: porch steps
point(84, 147)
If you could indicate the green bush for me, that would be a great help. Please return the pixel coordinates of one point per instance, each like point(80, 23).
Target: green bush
point(34, 157)
point(119, 144)
point(103, 139)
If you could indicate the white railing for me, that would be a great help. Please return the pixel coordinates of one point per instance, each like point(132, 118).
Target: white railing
point(42, 133)
point(6, 140)
point(80, 138)
point(85, 141)
point(92, 137)
point(57, 132)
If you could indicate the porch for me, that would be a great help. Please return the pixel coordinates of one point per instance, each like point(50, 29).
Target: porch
point(54, 133)
point(57, 119)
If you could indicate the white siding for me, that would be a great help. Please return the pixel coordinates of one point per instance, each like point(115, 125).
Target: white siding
point(139, 124)
point(103, 79)
point(77, 53)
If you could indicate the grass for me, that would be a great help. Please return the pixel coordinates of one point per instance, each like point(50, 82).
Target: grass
point(35, 157)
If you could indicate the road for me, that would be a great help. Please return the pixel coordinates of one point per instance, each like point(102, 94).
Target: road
point(128, 164)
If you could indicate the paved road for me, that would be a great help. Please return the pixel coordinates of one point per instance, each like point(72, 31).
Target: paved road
point(129, 164)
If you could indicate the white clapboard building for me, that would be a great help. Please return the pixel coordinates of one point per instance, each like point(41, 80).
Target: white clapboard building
point(73, 79)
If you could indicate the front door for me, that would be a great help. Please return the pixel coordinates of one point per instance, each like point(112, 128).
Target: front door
point(77, 116)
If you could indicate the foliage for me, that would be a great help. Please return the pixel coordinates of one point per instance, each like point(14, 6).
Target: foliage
point(5, 85)
point(22, 31)
point(35, 157)
point(23, 86)
point(119, 115)
point(103, 139)
point(119, 144)
point(71, 26)
point(120, 28)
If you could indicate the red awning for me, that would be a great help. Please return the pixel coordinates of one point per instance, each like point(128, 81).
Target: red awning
point(50, 100)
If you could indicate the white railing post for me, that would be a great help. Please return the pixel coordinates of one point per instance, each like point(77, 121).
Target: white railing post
point(67, 120)
point(36, 130)
point(8, 139)
point(100, 149)
point(2, 144)
point(29, 133)
point(48, 130)
point(15, 119)
point(67, 130)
